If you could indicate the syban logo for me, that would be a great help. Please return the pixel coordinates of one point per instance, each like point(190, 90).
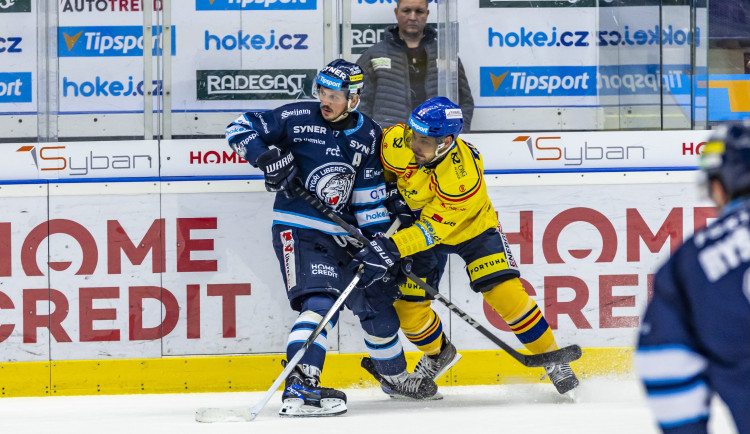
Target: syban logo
point(255, 84)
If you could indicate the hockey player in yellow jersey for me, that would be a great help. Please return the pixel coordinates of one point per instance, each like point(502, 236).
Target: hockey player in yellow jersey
point(437, 190)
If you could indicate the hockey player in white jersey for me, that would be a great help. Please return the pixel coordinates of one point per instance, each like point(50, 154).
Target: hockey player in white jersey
point(695, 337)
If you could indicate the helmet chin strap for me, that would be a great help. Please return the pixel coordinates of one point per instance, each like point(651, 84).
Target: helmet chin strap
point(438, 154)
point(348, 110)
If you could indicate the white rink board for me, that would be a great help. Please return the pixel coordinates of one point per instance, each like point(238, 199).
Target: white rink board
point(222, 290)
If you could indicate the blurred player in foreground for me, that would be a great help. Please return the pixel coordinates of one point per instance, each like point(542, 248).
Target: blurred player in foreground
point(695, 338)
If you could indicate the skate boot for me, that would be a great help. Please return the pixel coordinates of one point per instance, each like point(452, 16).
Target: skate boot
point(403, 385)
point(303, 397)
point(436, 365)
point(562, 377)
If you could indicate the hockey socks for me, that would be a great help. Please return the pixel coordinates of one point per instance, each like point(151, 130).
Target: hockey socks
point(522, 314)
point(421, 325)
point(313, 310)
point(387, 354)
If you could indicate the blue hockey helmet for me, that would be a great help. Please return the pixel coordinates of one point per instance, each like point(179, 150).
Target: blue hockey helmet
point(726, 158)
point(437, 117)
point(340, 75)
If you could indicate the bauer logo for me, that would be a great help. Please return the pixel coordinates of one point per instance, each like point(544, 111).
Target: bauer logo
point(15, 6)
point(255, 84)
point(15, 87)
point(537, 81)
point(254, 5)
point(108, 41)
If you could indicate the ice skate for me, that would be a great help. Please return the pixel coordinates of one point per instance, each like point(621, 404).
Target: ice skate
point(562, 376)
point(404, 385)
point(437, 365)
point(303, 397)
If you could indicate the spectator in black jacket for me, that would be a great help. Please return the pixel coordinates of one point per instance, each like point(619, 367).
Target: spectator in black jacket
point(401, 70)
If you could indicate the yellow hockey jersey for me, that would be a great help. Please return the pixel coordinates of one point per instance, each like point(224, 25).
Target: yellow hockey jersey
point(452, 195)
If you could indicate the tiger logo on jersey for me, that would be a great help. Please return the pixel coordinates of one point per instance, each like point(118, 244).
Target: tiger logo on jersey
point(332, 183)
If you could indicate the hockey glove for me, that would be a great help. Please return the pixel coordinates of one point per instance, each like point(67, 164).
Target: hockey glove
point(279, 170)
point(381, 261)
point(396, 205)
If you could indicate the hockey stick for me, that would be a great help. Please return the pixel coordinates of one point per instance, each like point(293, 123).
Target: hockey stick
point(562, 355)
point(237, 414)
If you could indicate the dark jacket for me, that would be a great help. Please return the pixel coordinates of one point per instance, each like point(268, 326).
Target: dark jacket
point(386, 96)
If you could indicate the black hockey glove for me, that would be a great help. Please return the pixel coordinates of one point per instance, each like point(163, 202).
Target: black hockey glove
point(381, 261)
point(396, 205)
point(279, 170)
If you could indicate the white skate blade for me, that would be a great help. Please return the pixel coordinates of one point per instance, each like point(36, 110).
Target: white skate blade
point(294, 407)
point(445, 368)
point(236, 414)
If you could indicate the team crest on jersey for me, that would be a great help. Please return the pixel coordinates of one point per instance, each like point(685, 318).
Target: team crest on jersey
point(332, 183)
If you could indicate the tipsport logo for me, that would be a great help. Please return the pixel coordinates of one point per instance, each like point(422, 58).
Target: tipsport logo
point(15, 87)
point(255, 5)
point(15, 6)
point(643, 79)
point(108, 41)
point(256, 84)
point(537, 81)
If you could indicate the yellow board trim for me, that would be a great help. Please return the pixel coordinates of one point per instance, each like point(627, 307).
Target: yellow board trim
point(255, 373)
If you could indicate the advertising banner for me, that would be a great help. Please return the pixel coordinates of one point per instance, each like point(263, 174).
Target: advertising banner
point(209, 157)
point(100, 51)
point(246, 54)
point(145, 270)
point(80, 160)
point(589, 151)
point(18, 57)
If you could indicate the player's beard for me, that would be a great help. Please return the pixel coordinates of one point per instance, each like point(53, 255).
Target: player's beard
point(329, 113)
